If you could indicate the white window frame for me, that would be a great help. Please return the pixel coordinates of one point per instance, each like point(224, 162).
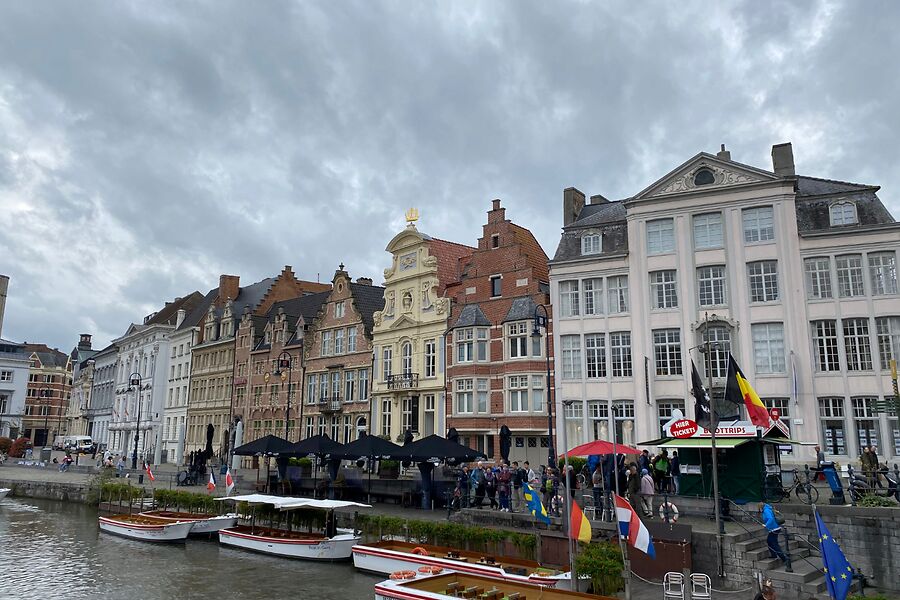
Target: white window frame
point(617, 294)
point(768, 348)
point(339, 309)
point(762, 281)
point(758, 224)
point(621, 364)
point(593, 295)
point(595, 355)
point(569, 305)
point(857, 343)
point(661, 236)
point(518, 343)
point(887, 330)
point(883, 272)
point(430, 358)
point(711, 285)
point(387, 362)
point(817, 272)
point(842, 213)
point(517, 387)
point(667, 352)
point(708, 230)
point(571, 356)
point(825, 345)
point(591, 244)
point(850, 278)
point(464, 396)
point(664, 289)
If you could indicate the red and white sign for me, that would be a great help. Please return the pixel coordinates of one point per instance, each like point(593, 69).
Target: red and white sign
point(683, 428)
point(775, 414)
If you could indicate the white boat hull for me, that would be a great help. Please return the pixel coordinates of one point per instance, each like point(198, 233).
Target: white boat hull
point(4, 492)
point(337, 548)
point(201, 525)
point(391, 590)
point(384, 562)
point(169, 532)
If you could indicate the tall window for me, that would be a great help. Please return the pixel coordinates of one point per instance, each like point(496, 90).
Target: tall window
point(326, 343)
point(818, 277)
point(495, 286)
point(430, 358)
point(660, 236)
point(568, 298)
point(623, 412)
point(759, 224)
point(429, 415)
point(663, 289)
point(571, 356)
point(825, 343)
point(351, 339)
point(363, 385)
point(866, 422)
point(842, 213)
point(708, 230)
point(574, 417)
point(595, 350)
point(763, 280)
point(720, 345)
point(338, 309)
point(335, 384)
point(620, 350)
point(517, 339)
point(831, 413)
point(883, 272)
point(338, 341)
point(537, 393)
point(482, 390)
point(593, 296)
point(465, 345)
point(406, 358)
point(518, 393)
point(387, 360)
point(711, 285)
point(617, 293)
point(465, 396)
point(888, 330)
point(481, 344)
point(667, 351)
point(856, 344)
point(666, 410)
point(849, 275)
point(768, 347)
point(349, 386)
point(590, 244)
point(386, 416)
point(410, 414)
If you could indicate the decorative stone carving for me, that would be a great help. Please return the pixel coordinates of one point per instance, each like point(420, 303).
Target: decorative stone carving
point(407, 301)
point(389, 305)
point(377, 317)
point(408, 261)
point(722, 177)
point(426, 295)
point(429, 262)
point(440, 305)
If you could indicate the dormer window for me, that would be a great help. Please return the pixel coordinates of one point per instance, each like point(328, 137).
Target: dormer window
point(591, 244)
point(704, 177)
point(843, 213)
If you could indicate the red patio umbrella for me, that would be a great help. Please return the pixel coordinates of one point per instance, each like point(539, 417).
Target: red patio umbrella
point(601, 447)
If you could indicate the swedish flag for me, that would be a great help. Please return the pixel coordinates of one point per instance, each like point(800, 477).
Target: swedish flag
point(533, 501)
point(838, 572)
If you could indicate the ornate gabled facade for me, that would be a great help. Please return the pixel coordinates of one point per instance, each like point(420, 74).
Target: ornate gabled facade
point(408, 385)
point(338, 360)
point(496, 371)
point(82, 382)
point(793, 275)
point(47, 398)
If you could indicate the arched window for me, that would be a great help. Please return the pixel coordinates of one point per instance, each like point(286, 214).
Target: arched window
point(843, 213)
point(406, 358)
point(704, 177)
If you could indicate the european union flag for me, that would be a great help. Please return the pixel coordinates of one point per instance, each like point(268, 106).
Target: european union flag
point(533, 501)
point(838, 572)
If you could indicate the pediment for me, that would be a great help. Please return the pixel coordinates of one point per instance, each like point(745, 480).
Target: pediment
point(725, 173)
point(403, 321)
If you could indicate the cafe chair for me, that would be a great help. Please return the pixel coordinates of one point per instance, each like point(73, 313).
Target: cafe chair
point(673, 585)
point(701, 586)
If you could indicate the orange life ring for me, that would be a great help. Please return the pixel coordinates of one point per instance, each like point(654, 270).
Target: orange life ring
point(420, 551)
point(400, 575)
point(431, 570)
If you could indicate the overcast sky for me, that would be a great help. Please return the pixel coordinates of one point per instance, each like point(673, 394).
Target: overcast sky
point(146, 148)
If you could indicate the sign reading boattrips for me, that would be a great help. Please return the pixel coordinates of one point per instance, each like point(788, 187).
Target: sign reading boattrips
point(683, 428)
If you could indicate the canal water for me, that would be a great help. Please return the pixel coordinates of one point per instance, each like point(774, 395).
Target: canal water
point(55, 550)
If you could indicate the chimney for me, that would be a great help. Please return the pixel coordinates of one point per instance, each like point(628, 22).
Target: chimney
point(84, 342)
point(573, 202)
point(229, 286)
point(364, 280)
point(599, 199)
point(4, 286)
point(723, 153)
point(496, 213)
point(783, 159)
point(179, 319)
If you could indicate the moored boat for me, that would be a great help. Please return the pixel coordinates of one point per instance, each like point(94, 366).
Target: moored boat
point(332, 544)
point(388, 556)
point(4, 492)
point(148, 529)
point(413, 585)
point(203, 523)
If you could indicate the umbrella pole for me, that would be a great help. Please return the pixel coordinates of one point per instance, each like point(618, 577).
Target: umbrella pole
point(369, 492)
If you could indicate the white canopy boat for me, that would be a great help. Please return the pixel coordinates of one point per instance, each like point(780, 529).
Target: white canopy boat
point(414, 585)
point(148, 529)
point(4, 492)
point(203, 523)
point(333, 544)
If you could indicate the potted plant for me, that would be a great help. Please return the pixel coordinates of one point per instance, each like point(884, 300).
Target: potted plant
point(602, 562)
point(389, 469)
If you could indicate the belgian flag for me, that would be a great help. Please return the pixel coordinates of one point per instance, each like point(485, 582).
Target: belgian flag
point(738, 390)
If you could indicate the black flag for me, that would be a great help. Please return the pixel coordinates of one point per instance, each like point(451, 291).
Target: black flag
point(702, 408)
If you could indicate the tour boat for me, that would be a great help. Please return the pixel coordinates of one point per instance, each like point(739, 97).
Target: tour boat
point(148, 529)
point(333, 544)
point(203, 523)
point(388, 556)
point(4, 492)
point(435, 585)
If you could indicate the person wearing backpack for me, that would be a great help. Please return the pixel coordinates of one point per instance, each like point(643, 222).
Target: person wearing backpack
point(660, 472)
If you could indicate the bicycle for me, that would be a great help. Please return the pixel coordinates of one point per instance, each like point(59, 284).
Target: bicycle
point(774, 490)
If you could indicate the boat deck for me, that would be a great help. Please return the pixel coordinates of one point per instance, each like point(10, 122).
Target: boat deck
point(185, 516)
point(137, 520)
point(459, 585)
point(515, 566)
point(273, 533)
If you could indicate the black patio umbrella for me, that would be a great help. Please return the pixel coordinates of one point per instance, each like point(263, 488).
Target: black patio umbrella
point(434, 449)
point(371, 447)
point(407, 440)
point(210, 433)
point(268, 445)
point(318, 446)
point(505, 442)
point(453, 435)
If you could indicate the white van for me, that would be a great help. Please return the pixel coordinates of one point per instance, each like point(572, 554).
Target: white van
point(79, 443)
point(59, 442)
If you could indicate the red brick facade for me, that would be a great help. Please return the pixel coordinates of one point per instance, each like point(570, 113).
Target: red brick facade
point(47, 395)
point(515, 368)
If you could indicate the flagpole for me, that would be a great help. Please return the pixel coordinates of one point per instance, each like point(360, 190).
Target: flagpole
point(569, 497)
point(713, 425)
point(625, 561)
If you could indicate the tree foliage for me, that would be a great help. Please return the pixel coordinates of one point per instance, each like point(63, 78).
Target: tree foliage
point(603, 563)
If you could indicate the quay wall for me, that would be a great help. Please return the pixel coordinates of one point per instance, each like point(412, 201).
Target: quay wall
point(47, 490)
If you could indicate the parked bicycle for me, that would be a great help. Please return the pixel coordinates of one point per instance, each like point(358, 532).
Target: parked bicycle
point(775, 491)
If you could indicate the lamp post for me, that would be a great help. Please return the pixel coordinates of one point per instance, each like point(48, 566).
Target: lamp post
point(45, 394)
point(543, 321)
point(134, 383)
point(285, 361)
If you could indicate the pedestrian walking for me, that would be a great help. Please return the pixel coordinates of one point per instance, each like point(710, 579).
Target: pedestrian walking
point(633, 487)
point(647, 489)
point(774, 526)
point(120, 466)
point(478, 484)
point(820, 459)
point(518, 477)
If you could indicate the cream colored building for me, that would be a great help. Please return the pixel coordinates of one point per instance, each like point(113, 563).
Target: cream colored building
point(408, 382)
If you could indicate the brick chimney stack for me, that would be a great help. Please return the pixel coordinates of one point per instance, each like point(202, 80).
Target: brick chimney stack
point(229, 287)
point(783, 159)
point(496, 214)
point(364, 280)
point(573, 202)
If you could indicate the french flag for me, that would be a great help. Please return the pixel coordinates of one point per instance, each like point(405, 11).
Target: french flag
point(630, 526)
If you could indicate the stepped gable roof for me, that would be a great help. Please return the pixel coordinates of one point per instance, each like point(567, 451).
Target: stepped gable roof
point(448, 255)
point(471, 315)
point(521, 309)
point(49, 357)
point(534, 253)
point(814, 197)
point(168, 314)
point(368, 300)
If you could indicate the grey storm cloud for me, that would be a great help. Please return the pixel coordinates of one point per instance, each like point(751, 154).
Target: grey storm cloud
point(145, 149)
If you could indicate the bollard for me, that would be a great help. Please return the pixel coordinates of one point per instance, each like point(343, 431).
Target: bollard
point(787, 551)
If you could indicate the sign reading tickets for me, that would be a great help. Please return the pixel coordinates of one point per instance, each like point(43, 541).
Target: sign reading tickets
point(682, 429)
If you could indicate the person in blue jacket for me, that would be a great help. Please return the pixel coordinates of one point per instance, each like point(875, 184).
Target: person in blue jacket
point(774, 527)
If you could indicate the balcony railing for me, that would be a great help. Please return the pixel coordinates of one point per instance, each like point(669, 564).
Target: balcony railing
point(331, 404)
point(405, 381)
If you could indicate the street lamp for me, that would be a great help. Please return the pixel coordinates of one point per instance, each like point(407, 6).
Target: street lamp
point(285, 361)
point(543, 321)
point(45, 393)
point(134, 383)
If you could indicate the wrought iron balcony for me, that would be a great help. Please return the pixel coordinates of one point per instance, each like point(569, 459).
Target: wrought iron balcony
point(332, 404)
point(406, 381)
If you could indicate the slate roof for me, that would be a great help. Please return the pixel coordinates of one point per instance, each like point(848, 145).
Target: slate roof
point(604, 217)
point(814, 197)
point(600, 214)
point(521, 309)
point(49, 357)
point(471, 315)
point(169, 313)
point(194, 317)
point(368, 300)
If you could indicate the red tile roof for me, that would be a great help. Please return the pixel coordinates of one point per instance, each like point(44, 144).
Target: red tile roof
point(448, 255)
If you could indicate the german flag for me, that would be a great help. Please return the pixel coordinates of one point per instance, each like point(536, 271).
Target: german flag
point(738, 389)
